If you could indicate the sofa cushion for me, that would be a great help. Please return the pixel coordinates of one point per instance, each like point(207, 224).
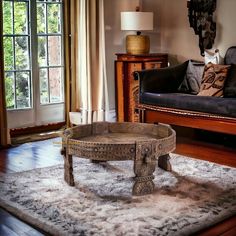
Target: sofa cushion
point(213, 105)
point(166, 79)
point(213, 80)
point(230, 83)
point(192, 81)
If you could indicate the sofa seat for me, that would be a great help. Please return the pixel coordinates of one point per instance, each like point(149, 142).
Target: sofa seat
point(213, 105)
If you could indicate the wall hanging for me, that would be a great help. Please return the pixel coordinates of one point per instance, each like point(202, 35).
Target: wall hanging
point(200, 13)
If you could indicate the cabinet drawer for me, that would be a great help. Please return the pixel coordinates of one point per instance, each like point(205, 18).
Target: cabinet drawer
point(152, 65)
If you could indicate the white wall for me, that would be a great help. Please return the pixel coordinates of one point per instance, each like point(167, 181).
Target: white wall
point(176, 36)
point(115, 38)
point(226, 20)
point(171, 34)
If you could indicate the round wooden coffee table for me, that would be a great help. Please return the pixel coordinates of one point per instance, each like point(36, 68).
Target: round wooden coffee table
point(105, 141)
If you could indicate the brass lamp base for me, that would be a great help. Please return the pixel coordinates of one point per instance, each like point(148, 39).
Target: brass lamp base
point(137, 44)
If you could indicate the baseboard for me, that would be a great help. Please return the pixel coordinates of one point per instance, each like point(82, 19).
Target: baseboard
point(15, 132)
point(111, 115)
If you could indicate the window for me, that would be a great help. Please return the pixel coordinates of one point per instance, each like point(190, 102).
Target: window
point(49, 34)
point(33, 52)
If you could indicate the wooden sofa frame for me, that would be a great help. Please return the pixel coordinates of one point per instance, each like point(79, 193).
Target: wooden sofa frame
point(186, 118)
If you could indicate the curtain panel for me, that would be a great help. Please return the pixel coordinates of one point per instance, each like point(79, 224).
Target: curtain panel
point(3, 115)
point(86, 83)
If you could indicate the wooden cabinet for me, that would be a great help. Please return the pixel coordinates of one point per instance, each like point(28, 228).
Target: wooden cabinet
point(127, 91)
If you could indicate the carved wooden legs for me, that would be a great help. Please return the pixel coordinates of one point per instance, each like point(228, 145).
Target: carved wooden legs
point(164, 162)
point(68, 169)
point(144, 166)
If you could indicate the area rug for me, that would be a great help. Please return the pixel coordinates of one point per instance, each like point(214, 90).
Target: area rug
point(195, 195)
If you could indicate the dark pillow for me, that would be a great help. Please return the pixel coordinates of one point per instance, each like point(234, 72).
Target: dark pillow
point(192, 82)
point(163, 80)
point(213, 81)
point(230, 83)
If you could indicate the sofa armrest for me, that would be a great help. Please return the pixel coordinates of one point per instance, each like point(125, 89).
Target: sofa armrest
point(165, 80)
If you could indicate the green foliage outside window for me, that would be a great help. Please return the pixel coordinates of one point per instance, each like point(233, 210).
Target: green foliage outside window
point(16, 49)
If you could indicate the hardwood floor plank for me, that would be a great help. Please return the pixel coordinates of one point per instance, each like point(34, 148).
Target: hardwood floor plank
point(220, 228)
point(30, 156)
point(211, 152)
point(5, 231)
point(15, 226)
point(231, 232)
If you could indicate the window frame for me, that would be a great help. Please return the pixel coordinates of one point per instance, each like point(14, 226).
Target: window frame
point(34, 67)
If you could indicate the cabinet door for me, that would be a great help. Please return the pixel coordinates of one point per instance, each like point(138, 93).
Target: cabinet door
point(133, 91)
point(152, 65)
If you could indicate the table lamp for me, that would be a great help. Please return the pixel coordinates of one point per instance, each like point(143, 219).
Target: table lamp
point(137, 21)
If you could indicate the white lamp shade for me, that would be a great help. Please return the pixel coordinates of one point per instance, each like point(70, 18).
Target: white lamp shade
point(136, 20)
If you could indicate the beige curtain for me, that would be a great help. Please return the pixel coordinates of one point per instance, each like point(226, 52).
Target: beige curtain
point(87, 82)
point(3, 115)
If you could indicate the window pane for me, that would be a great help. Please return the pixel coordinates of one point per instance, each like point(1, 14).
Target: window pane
point(21, 53)
point(49, 0)
point(54, 50)
point(7, 17)
point(20, 18)
point(41, 26)
point(8, 53)
point(43, 76)
point(10, 88)
point(22, 90)
point(42, 51)
point(55, 77)
point(54, 18)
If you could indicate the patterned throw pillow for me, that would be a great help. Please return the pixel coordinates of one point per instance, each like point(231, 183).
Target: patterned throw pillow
point(213, 80)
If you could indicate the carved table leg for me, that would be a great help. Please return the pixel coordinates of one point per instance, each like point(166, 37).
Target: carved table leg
point(68, 170)
point(164, 162)
point(144, 166)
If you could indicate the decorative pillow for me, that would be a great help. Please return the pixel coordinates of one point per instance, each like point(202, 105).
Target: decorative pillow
point(213, 80)
point(193, 78)
point(230, 83)
point(163, 80)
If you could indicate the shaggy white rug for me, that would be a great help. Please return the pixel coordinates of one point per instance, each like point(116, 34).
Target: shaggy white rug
point(195, 195)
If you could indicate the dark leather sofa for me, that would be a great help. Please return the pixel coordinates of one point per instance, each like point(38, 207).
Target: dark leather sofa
point(161, 101)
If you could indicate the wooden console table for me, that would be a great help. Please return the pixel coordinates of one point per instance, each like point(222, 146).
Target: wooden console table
point(127, 86)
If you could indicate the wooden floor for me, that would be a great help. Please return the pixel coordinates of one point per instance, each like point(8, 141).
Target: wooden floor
point(45, 153)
